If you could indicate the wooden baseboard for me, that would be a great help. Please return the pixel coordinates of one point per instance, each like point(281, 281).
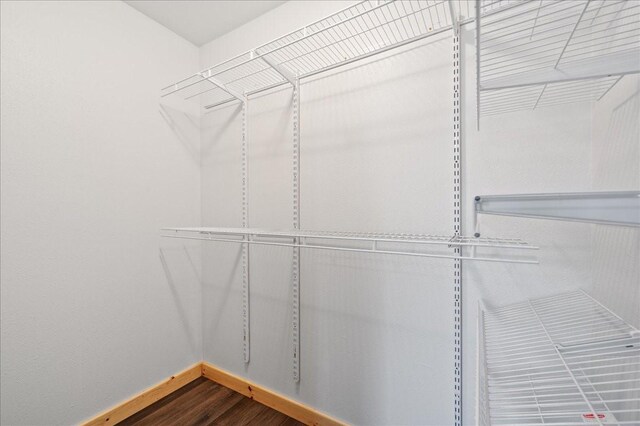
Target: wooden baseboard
point(291, 408)
point(146, 398)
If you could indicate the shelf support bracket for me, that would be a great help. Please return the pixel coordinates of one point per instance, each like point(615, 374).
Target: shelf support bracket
point(619, 208)
point(221, 85)
point(455, 25)
point(280, 70)
point(296, 225)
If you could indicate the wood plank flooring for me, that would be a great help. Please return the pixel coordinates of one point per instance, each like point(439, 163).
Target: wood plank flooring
point(203, 402)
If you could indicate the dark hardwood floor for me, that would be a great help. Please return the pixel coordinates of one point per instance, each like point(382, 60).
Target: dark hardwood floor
point(203, 402)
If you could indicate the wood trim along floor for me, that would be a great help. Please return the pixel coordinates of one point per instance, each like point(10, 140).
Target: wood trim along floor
point(281, 403)
point(147, 397)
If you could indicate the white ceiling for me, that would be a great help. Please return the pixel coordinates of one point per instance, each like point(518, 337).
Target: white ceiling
point(202, 21)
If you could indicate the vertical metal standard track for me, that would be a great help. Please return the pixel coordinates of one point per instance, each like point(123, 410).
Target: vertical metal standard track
point(478, 11)
point(245, 247)
point(457, 265)
point(295, 276)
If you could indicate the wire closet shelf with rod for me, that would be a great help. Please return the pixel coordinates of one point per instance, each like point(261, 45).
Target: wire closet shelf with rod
point(357, 32)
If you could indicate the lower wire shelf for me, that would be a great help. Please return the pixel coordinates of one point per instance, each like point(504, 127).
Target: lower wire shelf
point(561, 360)
point(382, 243)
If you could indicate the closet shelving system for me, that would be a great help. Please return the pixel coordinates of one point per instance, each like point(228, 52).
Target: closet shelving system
point(532, 54)
point(357, 32)
point(565, 359)
point(560, 360)
point(354, 33)
point(529, 54)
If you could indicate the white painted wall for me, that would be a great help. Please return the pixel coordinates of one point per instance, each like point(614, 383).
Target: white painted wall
point(616, 166)
point(92, 167)
point(289, 17)
point(92, 311)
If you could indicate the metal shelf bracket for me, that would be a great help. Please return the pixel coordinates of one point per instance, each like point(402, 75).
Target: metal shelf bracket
point(280, 70)
point(620, 208)
point(209, 77)
point(455, 23)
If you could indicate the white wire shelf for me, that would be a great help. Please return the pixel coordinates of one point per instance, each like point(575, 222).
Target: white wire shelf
point(381, 243)
point(537, 53)
point(560, 360)
point(608, 208)
point(351, 34)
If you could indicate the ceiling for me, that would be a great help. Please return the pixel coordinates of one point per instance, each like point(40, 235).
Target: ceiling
point(202, 21)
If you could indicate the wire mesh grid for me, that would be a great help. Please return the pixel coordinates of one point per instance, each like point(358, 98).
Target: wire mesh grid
point(561, 360)
point(536, 53)
point(384, 243)
point(196, 88)
point(365, 236)
point(353, 33)
point(539, 96)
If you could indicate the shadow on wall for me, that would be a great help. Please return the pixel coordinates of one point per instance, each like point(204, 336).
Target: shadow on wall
point(209, 142)
point(185, 127)
point(366, 79)
point(183, 290)
point(616, 158)
point(226, 285)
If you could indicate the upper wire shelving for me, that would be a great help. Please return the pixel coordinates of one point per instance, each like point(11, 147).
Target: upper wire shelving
point(536, 53)
point(381, 243)
point(354, 33)
point(560, 360)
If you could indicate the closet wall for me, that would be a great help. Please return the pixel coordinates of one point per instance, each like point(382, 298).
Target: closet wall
point(615, 157)
point(91, 169)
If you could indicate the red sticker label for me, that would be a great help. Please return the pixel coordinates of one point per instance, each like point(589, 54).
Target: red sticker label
point(592, 416)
